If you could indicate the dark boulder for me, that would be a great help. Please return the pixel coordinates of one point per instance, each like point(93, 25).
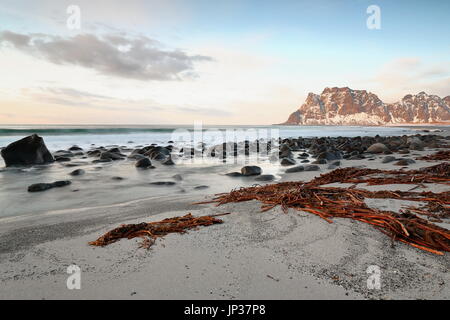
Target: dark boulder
point(295, 169)
point(388, 159)
point(59, 184)
point(327, 155)
point(251, 171)
point(75, 148)
point(163, 183)
point(107, 155)
point(404, 162)
point(143, 163)
point(62, 159)
point(234, 174)
point(38, 187)
point(27, 151)
point(201, 187)
point(168, 162)
point(77, 172)
point(265, 177)
point(311, 167)
point(287, 162)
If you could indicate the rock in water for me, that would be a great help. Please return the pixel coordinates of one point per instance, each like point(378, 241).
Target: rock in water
point(143, 163)
point(265, 177)
point(388, 159)
point(234, 174)
point(77, 172)
point(287, 162)
point(311, 167)
point(251, 171)
point(38, 187)
point(27, 151)
point(404, 162)
point(295, 169)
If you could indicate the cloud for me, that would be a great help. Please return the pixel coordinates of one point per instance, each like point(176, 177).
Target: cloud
point(210, 112)
point(68, 97)
point(114, 54)
point(404, 76)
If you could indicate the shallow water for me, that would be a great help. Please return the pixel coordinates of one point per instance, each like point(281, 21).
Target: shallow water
point(97, 186)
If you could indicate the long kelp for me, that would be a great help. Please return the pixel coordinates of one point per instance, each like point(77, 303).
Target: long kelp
point(435, 174)
point(150, 231)
point(332, 202)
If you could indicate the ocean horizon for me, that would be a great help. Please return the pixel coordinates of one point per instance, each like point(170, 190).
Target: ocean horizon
point(63, 136)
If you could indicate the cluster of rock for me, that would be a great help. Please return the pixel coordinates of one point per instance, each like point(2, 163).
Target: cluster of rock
point(330, 150)
point(310, 152)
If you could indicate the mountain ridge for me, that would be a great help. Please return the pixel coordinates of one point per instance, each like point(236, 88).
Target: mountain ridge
point(345, 106)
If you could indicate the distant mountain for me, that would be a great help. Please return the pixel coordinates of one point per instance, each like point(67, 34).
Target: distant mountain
point(344, 106)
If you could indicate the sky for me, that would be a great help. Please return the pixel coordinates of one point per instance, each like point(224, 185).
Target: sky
point(219, 62)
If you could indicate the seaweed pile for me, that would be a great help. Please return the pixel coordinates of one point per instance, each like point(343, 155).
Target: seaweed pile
point(331, 202)
point(153, 230)
point(439, 173)
point(334, 202)
point(438, 156)
point(338, 202)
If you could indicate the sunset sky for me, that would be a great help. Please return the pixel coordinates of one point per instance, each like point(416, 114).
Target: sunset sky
point(220, 62)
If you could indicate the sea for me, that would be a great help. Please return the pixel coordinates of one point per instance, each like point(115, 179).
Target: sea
point(119, 182)
point(61, 137)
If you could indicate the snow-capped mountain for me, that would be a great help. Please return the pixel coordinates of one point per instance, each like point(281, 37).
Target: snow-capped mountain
point(344, 106)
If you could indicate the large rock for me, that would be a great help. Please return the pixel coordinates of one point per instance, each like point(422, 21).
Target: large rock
point(251, 171)
point(295, 169)
point(415, 143)
point(108, 156)
point(27, 151)
point(265, 177)
point(327, 155)
point(143, 163)
point(39, 187)
point(311, 167)
point(287, 162)
point(377, 148)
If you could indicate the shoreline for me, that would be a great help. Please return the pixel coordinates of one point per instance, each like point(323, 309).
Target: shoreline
point(252, 255)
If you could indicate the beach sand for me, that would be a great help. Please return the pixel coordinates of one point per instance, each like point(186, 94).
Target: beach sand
point(252, 255)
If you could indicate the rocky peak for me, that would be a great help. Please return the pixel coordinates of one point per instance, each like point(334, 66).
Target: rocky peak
point(345, 106)
point(447, 100)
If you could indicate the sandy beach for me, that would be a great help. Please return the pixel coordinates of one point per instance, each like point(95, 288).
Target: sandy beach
point(252, 255)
